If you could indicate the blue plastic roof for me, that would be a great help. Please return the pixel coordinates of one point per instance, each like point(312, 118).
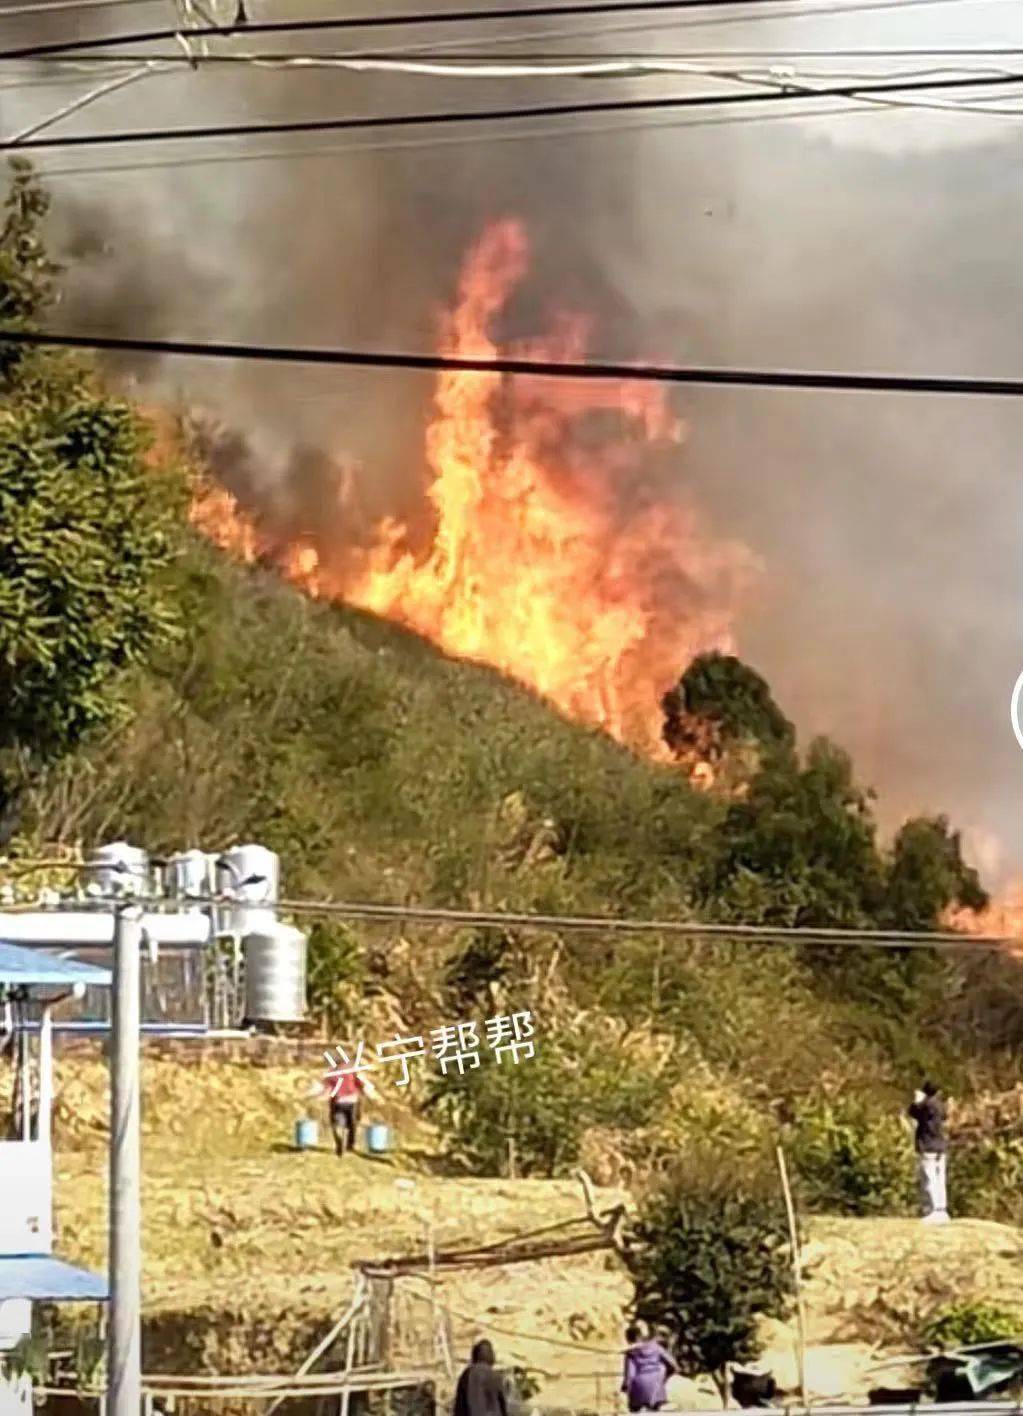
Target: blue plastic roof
point(20, 966)
point(48, 1280)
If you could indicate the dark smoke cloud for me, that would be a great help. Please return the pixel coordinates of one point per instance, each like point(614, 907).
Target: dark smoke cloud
point(890, 527)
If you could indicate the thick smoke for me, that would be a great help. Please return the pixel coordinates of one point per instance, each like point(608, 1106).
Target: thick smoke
point(889, 526)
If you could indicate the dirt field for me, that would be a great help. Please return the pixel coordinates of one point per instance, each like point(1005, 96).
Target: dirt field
point(248, 1247)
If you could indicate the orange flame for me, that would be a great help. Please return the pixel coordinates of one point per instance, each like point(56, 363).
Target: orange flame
point(1002, 919)
point(555, 555)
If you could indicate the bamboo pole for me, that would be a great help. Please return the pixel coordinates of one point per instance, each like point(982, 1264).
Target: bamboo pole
point(797, 1276)
point(357, 1301)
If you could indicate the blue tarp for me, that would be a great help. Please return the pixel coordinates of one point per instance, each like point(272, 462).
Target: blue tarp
point(48, 1280)
point(20, 966)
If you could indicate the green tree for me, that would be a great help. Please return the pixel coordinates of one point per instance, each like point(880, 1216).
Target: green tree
point(27, 274)
point(927, 874)
point(800, 845)
point(529, 1114)
point(722, 688)
point(86, 527)
point(708, 1259)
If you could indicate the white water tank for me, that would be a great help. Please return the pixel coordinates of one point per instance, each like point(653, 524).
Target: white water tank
point(251, 876)
point(119, 869)
point(189, 876)
point(275, 975)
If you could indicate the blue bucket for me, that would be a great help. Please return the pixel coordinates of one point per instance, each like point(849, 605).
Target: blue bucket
point(306, 1135)
point(378, 1139)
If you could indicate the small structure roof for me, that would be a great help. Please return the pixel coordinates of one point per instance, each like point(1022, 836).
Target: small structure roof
point(29, 966)
point(45, 1279)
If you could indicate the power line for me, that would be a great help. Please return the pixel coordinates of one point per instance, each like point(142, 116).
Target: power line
point(807, 10)
point(590, 7)
point(451, 140)
point(782, 94)
point(529, 368)
point(689, 929)
point(89, 63)
point(593, 65)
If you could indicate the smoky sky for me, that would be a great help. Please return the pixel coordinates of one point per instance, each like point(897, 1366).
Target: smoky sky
point(890, 528)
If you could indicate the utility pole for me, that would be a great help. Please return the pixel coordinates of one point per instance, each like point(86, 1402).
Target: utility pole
point(124, 1338)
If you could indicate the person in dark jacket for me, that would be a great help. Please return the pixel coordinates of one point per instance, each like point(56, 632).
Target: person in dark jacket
point(647, 1369)
point(928, 1113)
point(480, 1390)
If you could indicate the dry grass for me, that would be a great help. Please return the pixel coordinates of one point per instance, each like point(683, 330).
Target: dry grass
point(248, 1247)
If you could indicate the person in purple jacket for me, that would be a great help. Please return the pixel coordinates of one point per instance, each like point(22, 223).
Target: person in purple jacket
point(647, 1369)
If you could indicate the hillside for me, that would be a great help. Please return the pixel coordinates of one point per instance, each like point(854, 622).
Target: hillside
point(158, 692)
point(381, 770)
point(248, 1246)
point(152, 689)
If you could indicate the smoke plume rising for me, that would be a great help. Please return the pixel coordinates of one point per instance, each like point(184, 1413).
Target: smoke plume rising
point(888, 526)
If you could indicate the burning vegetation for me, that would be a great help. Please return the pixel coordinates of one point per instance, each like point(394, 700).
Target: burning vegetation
point(553, 550)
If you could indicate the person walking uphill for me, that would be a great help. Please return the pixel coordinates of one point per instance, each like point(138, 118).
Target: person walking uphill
point(480, 1390)
point(344, 1093)
point(928, 1112)
point(647, 1369)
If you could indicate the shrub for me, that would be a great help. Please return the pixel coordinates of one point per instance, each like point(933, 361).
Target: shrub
point(531, 1110)
point(335, 974)
point(985, 1179)
point(851, 1160)
point(708, 1257)
point(969, 1323)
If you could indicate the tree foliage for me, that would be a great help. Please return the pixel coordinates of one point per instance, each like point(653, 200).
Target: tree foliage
point(722, 688)
point(799, 847)
point(927, 873)
point(529, 1115)
point(708, 1258)
point(86, 528)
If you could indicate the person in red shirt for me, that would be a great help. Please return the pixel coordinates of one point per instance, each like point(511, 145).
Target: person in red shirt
point(344, 1093)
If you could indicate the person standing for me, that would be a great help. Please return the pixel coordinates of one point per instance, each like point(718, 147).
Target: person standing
point(647, 1369)
point(480, 1390)
point(928, 1114)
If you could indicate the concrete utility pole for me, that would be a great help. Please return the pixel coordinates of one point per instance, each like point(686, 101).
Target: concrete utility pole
point(124, 1338)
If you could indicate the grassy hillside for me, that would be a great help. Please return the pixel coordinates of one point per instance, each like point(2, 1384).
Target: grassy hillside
point(380, 770)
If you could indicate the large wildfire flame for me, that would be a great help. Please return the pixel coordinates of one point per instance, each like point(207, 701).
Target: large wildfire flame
point(555, 553)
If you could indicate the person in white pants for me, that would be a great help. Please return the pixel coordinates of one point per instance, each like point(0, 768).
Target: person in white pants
point(928, 1112)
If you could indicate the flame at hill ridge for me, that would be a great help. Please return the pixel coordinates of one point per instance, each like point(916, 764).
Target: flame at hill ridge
point(555, 553)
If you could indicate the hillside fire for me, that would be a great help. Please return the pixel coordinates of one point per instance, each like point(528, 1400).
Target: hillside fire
point(555, 552)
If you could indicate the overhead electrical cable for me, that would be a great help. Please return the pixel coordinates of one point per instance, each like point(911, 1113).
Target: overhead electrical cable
point(431, 18)
point(399, 145)
point(112, 85)
point(535, 133)
point(612, 924)
point(530, 368)
point(781, 94)
point(391, 121)
point(548, 66)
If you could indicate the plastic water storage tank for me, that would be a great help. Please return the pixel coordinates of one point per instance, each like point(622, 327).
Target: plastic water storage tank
point(251, 875)
point(189, 876)
point(119, 869)
point(275, 975)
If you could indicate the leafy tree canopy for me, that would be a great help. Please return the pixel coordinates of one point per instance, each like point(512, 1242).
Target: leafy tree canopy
point(723, 689)
point(927, 873)
point(799, 847)
point(85, 524)
point(708, 1258)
